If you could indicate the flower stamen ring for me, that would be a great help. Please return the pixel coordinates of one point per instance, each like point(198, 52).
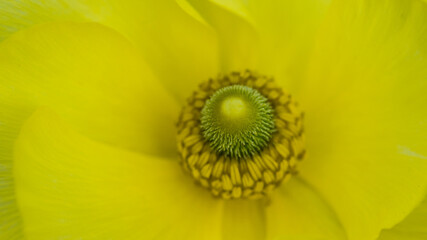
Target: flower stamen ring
point(240, 135)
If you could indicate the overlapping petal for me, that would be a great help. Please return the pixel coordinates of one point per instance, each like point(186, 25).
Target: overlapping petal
point(243, 219)
point(180, 49)
point(69, 186)
point(366, 117)
point(237, 38)
point(273, 37)
point(94, 78)
point(413, 227)
point(297, 212)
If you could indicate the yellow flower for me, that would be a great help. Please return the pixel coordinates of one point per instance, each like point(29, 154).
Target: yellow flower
point(90, 91)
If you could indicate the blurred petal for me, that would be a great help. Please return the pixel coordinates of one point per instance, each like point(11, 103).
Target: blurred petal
point(413, 227)
point(237, 38)
point(181, 52)
point(285, 32)
point(243, 219)
point(91, 76)
point(297, 212)
point(365, 113)
point(179, 47)
point(18, 15)
point(70, 187)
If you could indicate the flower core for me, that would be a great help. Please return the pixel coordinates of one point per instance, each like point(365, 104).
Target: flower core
point(240, 135)
point(237, 121)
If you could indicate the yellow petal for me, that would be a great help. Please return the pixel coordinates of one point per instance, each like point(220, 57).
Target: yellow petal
point(91, 76)
point(285, 35)
point(365, 113)
point(237, 38)
point(18, 15)
point(243, 219)
point(296, 212)
point(181, 52)
point(413, 227)
point(69, 186)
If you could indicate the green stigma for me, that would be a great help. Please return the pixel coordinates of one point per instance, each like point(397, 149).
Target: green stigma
point(237, 121)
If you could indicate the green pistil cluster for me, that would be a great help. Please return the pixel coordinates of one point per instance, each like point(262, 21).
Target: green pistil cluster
point(237, 121)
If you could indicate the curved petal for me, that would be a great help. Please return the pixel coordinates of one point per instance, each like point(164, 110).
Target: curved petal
point(181, 52)
point(297, 212)
point(71, 187)
point(18, 15)
point(285, 35)
point(237, 38)
point(365, 113)
point(91, 75)
point(94, 78)
point(243, 219)
point(413, 227)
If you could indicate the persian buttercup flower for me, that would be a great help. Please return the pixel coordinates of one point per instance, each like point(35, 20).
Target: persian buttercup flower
point(293, 119)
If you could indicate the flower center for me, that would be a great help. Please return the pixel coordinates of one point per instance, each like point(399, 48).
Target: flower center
point(233, 109)
point(240, 135)
point(237, 121)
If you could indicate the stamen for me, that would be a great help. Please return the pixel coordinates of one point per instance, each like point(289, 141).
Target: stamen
point(240, 135)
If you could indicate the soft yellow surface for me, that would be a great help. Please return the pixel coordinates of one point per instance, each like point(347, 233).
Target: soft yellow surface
point(276, 37)
point(366, 116)
point(243, 219)
point(69, 186)
point(412, 228)
point(92, 75)
point(297, 212)
point(237, 38)
point(94, 78)
point(180, 49)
